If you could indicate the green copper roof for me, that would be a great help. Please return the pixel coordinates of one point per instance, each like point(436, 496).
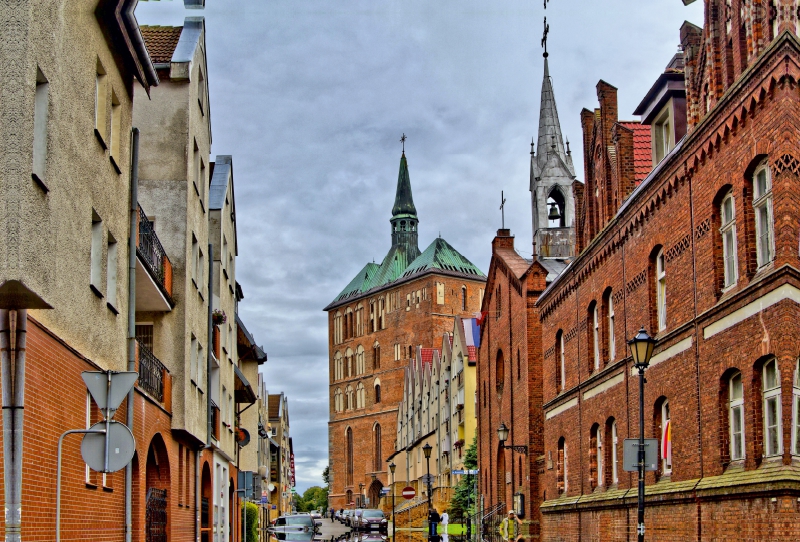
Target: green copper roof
point(441, 255)
point(360, 283)
point(403, 201)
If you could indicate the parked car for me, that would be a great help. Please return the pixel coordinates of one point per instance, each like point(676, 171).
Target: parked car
point(290, 537)
point(371, 519)
point(354, 518)
point(296, 523)
point(317, 518)
point(346, 517)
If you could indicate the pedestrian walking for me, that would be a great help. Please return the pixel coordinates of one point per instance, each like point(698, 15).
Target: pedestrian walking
point(333, 513)
point(433, 521)
point(445, 521)
point(510, 527)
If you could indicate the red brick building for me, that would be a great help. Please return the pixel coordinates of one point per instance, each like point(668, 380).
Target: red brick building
point(374, 327)
point(702, 253)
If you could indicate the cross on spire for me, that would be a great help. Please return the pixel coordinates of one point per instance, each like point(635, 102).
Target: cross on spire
point(544, 34)
point(545, 3)
point(403, 141)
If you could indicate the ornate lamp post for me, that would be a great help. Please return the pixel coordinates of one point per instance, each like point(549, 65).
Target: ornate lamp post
point(502, 436)
point(642, 346)
point(392, 466)
point(427, 451)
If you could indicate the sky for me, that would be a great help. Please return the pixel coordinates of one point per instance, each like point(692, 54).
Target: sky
point(311, 98)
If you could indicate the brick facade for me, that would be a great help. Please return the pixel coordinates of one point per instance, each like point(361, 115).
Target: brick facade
point(422, 321)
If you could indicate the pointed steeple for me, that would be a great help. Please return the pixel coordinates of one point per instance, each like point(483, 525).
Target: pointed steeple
point(403, 201)
point(550, 139)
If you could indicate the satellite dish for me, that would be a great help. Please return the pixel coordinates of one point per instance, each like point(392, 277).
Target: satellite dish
point(243, 438)
point(271, 487)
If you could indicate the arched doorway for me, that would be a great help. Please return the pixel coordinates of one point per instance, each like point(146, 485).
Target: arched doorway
point(205, 504)
point(375, 493)
point(157, 479)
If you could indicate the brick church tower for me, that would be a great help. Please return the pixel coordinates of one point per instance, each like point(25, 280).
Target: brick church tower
point(375, 325)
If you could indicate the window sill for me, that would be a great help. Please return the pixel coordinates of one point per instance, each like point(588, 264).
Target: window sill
point(96, 291)
point(112, 308)
point(38, 180)
point(108, 489)
point(100, 139)
point(194, 282)
point(114, 163)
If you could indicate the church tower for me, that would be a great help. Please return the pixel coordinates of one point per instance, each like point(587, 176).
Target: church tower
point(552, 175)
point(404, 215)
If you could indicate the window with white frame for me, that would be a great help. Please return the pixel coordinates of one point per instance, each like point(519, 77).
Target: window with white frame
point(762, 202)
point(666, 439)
point(360, 363)
point(796, 409)
point(728, 233)
point(338, 366)
point(772, 408)
point(596, 337)
point(661, 291)
point(600, 471)
point(562, 375)
point(614, 471)
point(612, 346)
point(360, 396)
point(736, 414)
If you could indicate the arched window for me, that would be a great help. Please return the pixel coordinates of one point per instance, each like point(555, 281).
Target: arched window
point(727, 230)
point(377, 454)
point(608, 303)
point(338, 366)
point(500, 371)
point(359, 320)
point(463, 298)
point(561, 367)
point(796, 409)
point(561, 466)
point(595, 457)
point(348, 394)
point(498, 302)
point(762, 203)
point(612, 438)
point(337, 328)
point(348, 436)
point(337, 400)
point(736, 416)
point(771, 382)
point(378, 392)
point(360, 364)
point(372, 316)
point(594, 337)
point(664, 428)
point(348, 354)
point(661, 290)
point(376, 355)
point(556, 199)
point(360, 395)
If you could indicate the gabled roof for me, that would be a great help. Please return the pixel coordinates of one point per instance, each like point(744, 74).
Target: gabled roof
point(642, 151)
point(161, 41)
point(360, 282)
point(126, 39)
point(275, 405)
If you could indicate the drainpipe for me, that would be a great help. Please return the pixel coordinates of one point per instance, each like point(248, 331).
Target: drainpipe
point(197, 489)
point(210, 345)
point(13, 405)
point(132, 236)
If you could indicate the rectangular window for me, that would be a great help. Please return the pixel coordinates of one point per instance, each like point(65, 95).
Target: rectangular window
point(772, 409)
point(115, 136)
point(612, 345)
point(666, 440)
point(40, 113)
point(439, 293)
point(600, 472)
point(596, 337)
point(661, 291)
point(97, 254)
point(201, 265)
point(201, 360)
point(195, 260)
point(111, 273)
point(100, 106)
point(614, 472)
point(193, 359)
point(728, 233)
point(408, 302)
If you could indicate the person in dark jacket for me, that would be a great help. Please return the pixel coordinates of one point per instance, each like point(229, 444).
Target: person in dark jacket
point(433, 521)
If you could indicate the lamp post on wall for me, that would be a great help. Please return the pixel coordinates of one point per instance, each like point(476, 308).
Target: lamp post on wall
point(642, 346)
point(427, 451)
point(392, 466)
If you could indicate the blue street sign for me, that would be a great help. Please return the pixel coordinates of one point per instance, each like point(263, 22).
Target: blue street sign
point(475, 471)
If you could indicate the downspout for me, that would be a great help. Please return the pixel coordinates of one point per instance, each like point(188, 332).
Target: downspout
point(197, 489)
point(13, 405)
point(210, 344)
point(132, 237)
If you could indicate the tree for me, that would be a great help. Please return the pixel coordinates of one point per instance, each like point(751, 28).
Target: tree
point(326, 477)
point(313, 498)
point(250, 513)
point(465, 489)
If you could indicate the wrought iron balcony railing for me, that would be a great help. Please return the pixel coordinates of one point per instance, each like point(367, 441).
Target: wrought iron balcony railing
point(149, 249)
point(151, 373)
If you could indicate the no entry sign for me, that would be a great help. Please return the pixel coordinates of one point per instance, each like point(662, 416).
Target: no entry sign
point(409, 492)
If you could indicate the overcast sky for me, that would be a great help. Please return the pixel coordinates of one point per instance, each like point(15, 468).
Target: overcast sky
point(311, 98)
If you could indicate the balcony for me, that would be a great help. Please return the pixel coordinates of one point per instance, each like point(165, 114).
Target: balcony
point(154, 377)
point(153, 270)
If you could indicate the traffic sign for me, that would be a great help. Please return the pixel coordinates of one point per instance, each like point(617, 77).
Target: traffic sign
point(109, 388)
point(473, 471)
point(409, 492)
point(630, 454)
point(120, 443)
point(427, 479)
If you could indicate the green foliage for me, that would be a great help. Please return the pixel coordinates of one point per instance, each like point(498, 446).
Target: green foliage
point(326, 477)
point(314, 498)
point(465, 489)
point(251, 521)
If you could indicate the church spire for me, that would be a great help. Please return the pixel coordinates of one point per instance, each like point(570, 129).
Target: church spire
point(550, 139)
point(403, 200)
point(404, 215)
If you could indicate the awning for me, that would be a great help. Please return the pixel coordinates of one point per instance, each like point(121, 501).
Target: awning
point(243, 391)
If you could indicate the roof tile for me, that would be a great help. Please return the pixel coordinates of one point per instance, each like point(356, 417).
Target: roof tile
point(642, 151)
point(161, 41)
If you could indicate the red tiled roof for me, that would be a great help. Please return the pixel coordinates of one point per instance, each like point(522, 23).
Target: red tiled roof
point(472, 353)
point(642, 152)
point(427, 354)
point(161, 41)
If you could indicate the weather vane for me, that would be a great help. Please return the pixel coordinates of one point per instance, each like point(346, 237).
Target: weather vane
point(545, 3)
point(502, 209)
point(544, 36)
point(403, 141)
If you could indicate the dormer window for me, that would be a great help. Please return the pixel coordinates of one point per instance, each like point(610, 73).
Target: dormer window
point(663, 139)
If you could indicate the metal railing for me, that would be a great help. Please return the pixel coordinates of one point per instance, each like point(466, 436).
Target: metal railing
point(148, 246)
point(151, 373)
point(215, 419)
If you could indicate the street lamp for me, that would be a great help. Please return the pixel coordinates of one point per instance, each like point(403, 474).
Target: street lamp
point(642, 346)
point(392, 466)
point(502, 436)
point(427, 451)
